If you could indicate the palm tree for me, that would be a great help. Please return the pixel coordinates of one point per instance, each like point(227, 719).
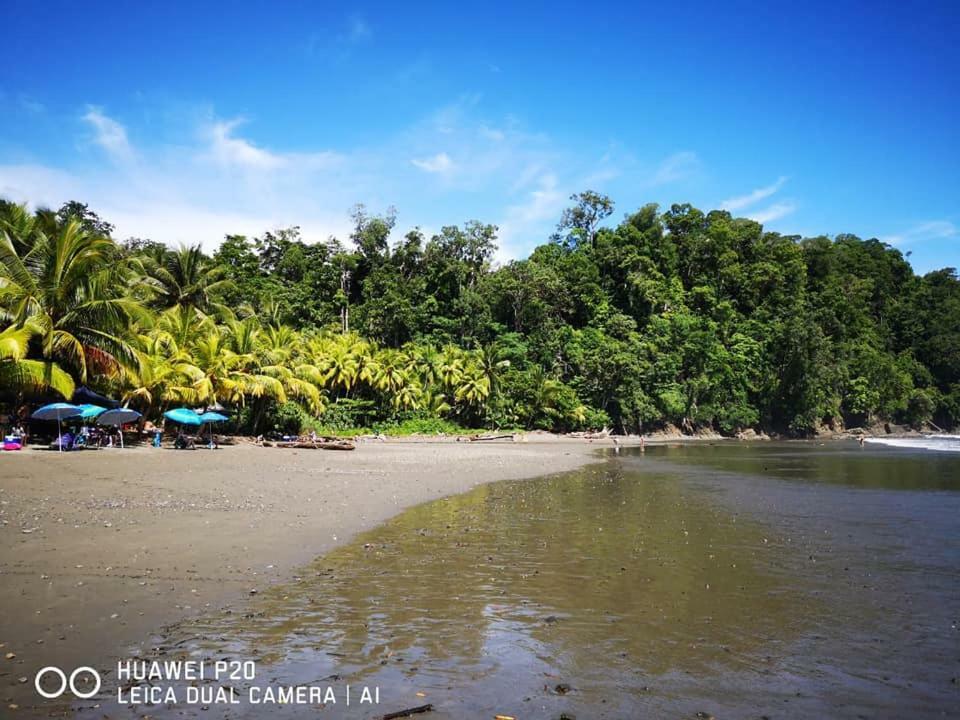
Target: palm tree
point(225, 376)
point(473, 386)
point(162, 375)
point(186, 278)
point(491, 362)
point(543, 396)
point(339, 359)
point(21, 227)
point(21, 375)
point(72, 289)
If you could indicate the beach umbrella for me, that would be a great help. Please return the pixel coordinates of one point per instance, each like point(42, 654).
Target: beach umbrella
point(83, 394)
point(184, 416)
point(212, 417)
point(57, 411)
point(88, 411)
point(118, 417)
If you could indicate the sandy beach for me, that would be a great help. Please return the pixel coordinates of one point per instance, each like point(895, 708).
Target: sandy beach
point(103, 548)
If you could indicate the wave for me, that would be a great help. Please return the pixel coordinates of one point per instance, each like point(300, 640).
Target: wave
point(942, 443)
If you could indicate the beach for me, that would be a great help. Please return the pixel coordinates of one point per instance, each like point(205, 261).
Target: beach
point(101, 549)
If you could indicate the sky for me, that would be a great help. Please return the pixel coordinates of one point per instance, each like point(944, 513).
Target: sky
point(183, 122)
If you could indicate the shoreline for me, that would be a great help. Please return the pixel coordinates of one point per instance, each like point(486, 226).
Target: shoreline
point(104, 549)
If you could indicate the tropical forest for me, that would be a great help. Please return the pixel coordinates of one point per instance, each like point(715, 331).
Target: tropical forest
point(673, 319)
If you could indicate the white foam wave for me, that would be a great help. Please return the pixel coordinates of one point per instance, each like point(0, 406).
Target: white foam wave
point(943, 443)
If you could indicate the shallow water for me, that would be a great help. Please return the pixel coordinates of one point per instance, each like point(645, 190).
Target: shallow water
point(778, 580)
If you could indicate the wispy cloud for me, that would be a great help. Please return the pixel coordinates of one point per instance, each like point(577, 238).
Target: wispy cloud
point(211, 177)
point(523, 222)
point(232, 150)
point(337, 45)
point(108, 134)
point(766, 214)
point(773, 212)
point(439, 163)
point(741, 201)
point(925, 231)
point(358, 30)
point(676, 167)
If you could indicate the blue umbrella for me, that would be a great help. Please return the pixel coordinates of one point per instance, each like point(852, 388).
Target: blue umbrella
point(118, 417)
point(184, 416)
point(57, 411)
point(213, 417)
point(88, 411)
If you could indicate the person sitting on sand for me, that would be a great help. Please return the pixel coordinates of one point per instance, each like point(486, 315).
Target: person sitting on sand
point(64, 442)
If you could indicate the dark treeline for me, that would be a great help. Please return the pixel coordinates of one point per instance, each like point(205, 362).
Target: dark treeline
point(684, 318)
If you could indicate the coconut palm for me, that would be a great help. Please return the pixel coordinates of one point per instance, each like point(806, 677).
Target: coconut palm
point(473, 386)
point(163, 375)
point(222, 375)
point(491, 362)
point(185, 278)
point(339, 359)
point(21, 375)
point(71, 287)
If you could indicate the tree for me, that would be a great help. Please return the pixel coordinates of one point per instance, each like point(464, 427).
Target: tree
point(578, 224)
point(73, 289)
point(187, 278)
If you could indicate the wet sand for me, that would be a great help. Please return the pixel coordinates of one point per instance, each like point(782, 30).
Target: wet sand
point(101, 549)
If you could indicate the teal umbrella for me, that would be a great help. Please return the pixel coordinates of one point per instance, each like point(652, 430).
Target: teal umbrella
point(57, 411)
point(88, 411)
point(212, 417)
point(184, 416)
point(118, 418)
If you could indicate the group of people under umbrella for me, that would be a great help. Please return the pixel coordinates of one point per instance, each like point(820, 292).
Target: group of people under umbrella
point(102, 411)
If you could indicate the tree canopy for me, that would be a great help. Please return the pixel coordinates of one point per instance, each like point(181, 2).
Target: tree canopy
point(695, 319)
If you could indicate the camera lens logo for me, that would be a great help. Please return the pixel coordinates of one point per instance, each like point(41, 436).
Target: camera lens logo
point(64, 682)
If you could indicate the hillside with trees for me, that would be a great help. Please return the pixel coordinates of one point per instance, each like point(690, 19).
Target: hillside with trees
point(678, 318)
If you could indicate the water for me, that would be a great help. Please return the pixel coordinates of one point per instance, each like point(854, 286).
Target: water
point(778, 580)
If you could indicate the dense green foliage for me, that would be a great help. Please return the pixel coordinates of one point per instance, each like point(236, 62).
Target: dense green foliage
point(697, 320)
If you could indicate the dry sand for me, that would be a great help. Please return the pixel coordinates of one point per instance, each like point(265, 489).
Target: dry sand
point(101, 549)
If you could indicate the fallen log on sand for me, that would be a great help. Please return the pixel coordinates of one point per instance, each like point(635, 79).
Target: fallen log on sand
point(476, 438)
point(408, 712)
point(311, 444)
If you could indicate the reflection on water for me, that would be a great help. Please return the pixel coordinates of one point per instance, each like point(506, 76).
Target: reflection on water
point(624, 590)
point(842, 463)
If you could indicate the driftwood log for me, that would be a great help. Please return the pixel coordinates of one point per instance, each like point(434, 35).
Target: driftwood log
point(311, 444)
point(478, 438)
point(408, 712)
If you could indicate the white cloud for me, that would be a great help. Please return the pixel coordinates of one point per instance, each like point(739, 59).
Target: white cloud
point(359, 29)
point(439, 163)
point(209, 178)
point(773, 212)
point(492, 133)
point(679, 166)
point(108, 134)
point(741, 201)
point(232, 150)
point(929, 230)
point(523, 222)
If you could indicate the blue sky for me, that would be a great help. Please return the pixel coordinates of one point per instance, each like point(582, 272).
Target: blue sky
point(183, 123)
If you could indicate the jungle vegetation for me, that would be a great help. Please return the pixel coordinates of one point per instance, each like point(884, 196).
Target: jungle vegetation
point(698, 320)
